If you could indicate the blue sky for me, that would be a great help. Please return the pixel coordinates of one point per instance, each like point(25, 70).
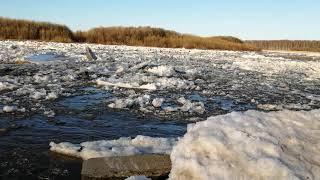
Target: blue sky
point(247, 19)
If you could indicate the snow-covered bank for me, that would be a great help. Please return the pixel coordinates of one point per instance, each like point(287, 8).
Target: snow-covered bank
point(249, 145)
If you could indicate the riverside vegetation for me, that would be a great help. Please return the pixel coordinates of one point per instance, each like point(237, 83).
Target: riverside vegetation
point(141, 36)
point(132, 36)
point(286, 45)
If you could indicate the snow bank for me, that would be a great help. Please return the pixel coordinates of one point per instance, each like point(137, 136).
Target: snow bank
point(120, 147)
point(250, 145)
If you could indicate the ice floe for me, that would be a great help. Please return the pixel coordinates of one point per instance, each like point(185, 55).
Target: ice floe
point(162, 71)
point(127, 85)
point(275, 81)
point(9, 109)
point(120, 147)
point(6, 86)
point(250, 145)
point(157, 102)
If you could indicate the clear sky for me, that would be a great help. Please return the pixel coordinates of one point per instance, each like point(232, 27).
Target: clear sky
point(246, 19)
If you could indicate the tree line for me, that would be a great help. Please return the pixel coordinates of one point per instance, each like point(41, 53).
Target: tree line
point(141, 36)
point(157, 37)
point(287, 45)
point(132, 36)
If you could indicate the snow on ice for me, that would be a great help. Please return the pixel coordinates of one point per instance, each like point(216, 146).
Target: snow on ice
point(274, 81)
point(250, 145)
point(120, 147)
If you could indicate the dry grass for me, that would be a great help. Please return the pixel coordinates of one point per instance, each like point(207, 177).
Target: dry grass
point(30, 30)
point(132, 36)
point(156, 37)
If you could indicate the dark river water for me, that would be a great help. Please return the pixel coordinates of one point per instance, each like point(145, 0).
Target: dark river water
point(24, 147)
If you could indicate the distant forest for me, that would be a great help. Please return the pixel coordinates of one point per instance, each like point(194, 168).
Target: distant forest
point(286, 45)
point(140, 36)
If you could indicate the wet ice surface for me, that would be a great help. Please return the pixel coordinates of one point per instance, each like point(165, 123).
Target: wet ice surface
point(50, 56)
point(58, 95)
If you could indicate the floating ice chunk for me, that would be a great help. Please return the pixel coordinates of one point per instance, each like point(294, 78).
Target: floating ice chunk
point(9, 109)
point(39, 94)
point(162, 71)
point(137, 178)
point(253, 56)
point(272, 107)
point(120, 70)
point(2, 86)
point(188, 106)
point(149, 86)
point(40, 78)
point(157, 102)
point(6, 86)
point(96, 68)
point(192, 72)
point(66, 148)
point(122, 103)
point(140, 66)
point(49, 113)
point(126, 85)
point(170, 109)
point(143, 100)
point(198, 107)
point(121, 147)
point(183, 100)
point(297, 106)
point(52, 96)
point(173, 83)
point(250, 145)
point(269, 107)
point(22, 110)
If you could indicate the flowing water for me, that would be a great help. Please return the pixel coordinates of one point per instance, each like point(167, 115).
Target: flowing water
point(56, 96)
